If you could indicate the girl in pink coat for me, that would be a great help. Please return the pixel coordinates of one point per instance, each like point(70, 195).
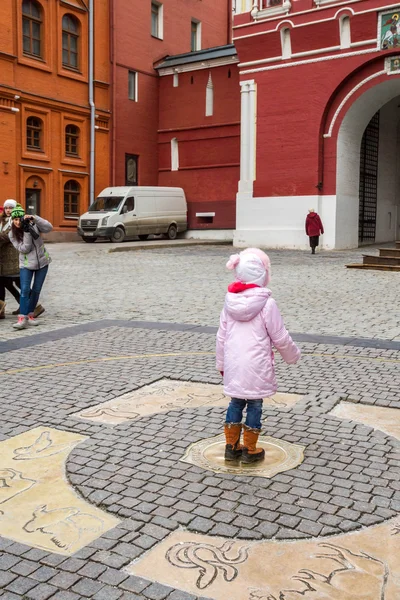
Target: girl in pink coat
point(250, 326)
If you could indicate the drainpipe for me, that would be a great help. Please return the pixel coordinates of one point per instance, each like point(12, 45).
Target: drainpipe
point(113, 90)
point(91, 103)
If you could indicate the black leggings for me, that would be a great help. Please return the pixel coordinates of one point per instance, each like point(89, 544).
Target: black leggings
point(12, 284)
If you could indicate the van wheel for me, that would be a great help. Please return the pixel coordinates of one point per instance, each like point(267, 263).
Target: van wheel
point(118, 235)
point(89, 240)
point(172, 232)
point(143, 236)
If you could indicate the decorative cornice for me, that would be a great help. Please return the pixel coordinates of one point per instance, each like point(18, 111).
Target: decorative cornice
point(101, 84)
point(73, 6)
point(198, 66)
point(102, 123)
point(7, 102)
point(6, 56)
point(272, 11)
point(319, 3)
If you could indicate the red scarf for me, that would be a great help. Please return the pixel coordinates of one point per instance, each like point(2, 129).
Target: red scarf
point(238, 286)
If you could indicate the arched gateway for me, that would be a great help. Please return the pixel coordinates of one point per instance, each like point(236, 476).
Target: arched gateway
point(320, 128)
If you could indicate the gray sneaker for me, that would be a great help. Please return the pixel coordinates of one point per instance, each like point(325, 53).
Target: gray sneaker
point(21, 323)
point(31, 321)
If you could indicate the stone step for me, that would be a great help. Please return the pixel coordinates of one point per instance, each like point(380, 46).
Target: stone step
point(397, 244)
point(375, 267)
point(369, 259)
point(389, 252)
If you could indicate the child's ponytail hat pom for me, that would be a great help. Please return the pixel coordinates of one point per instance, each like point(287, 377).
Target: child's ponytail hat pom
point(233, 261)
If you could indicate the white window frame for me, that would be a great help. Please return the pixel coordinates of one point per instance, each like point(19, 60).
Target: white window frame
point(198, 35)
point(135, 85)
point(160, 20)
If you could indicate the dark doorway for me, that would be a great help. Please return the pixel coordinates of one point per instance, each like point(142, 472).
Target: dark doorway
point(131, 169)
point(368, 181)
point(32, 202)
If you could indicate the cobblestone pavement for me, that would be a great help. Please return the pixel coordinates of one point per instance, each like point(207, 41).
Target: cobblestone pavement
point(315, 293)
point(349, 479)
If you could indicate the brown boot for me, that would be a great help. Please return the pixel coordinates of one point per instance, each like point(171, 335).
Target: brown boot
point(250, 453)
point(39, 310)
point(233, 449)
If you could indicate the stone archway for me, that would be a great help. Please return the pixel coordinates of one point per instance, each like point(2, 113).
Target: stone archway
point(385, 98)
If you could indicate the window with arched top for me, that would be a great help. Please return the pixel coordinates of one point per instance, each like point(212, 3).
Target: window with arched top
point(286, 43)
point(345, 31)
point(209, 97)
point(72, 193)
point(34, 133)
point(32, 21)
point(70, 42)
point(72, 140)
point(174, 155)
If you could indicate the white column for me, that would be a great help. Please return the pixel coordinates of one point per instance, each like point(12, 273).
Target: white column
point(244, 133)
point(252, 132)
point(247, 136)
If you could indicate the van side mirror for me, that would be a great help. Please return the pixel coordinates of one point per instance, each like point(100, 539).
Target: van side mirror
point(124, 210)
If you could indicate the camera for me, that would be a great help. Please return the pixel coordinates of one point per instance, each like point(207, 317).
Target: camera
point(27, 227)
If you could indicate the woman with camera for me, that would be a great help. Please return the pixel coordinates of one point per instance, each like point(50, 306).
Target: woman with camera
point(33, 261)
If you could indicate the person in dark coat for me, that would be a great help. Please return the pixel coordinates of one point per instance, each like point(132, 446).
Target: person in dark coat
point(314, 228)
point(9, 259)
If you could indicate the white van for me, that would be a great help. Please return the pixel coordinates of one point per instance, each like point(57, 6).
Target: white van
point(126, 212)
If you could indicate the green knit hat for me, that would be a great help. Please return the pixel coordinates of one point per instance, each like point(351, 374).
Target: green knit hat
point(17, 212)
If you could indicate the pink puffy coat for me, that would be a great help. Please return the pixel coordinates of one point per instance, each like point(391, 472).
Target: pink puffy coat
point(250, 325)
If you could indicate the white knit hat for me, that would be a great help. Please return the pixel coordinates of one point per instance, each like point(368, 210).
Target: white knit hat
point(251, 266)
point(10, 203)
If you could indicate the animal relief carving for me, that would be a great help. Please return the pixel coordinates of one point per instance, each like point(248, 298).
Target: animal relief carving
point(209, 559)
point(66, 526)
point(359, 577)
point(42, 447)
point(13, 483)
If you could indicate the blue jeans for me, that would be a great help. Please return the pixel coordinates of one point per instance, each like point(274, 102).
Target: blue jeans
point(30, 297)
point(236, 406)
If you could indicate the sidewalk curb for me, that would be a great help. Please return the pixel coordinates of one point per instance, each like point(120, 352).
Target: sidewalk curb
point(169, 244)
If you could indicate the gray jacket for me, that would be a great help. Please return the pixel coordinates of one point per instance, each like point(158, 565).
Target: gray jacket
point(32, 253)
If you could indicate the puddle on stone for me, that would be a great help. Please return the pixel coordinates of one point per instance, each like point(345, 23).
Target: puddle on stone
point(279, 456)
point(38, 507)
point(166, 395)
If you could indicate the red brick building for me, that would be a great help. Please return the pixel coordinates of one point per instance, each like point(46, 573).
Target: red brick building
point(142, 34)
point(46, 117)
point(199, 134)
point(320, 83)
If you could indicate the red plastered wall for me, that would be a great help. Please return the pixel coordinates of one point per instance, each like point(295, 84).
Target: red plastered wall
point(290, 125)
point(184, 106)
point(313, 37)
point(363, 27)
point(209, 147)
point(137, 127)
point(137, 50)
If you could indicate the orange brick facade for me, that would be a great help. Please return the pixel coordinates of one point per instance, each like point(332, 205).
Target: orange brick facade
point(44, 106)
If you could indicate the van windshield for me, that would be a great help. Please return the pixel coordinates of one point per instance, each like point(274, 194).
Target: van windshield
point(106, 204)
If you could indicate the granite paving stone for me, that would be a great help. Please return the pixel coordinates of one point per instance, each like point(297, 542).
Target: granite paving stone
point(349, 478)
